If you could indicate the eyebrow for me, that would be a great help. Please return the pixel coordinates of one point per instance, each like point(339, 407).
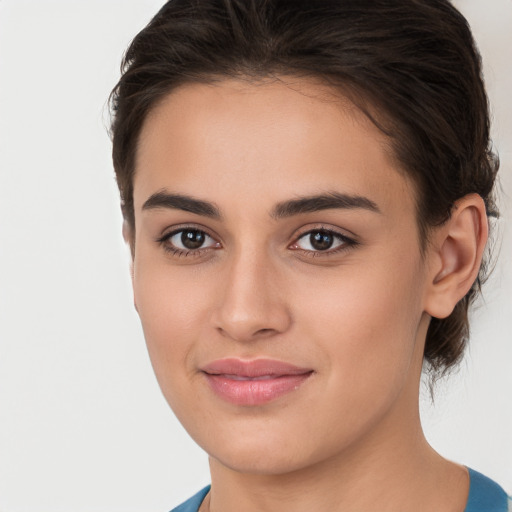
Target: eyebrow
point(330, 200)
point(300, 205)
point(163, 199)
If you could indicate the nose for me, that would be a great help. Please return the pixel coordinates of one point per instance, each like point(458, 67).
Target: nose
point(252, 303)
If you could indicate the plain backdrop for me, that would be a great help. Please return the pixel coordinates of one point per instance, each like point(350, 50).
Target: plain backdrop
point(83, 426)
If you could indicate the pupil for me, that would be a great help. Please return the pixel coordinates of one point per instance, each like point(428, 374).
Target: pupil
point(321, 241)
point(192, 239)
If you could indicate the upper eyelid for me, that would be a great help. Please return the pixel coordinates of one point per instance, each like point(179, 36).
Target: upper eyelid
point(323, 230)
point(342, 233)
point(173, 230)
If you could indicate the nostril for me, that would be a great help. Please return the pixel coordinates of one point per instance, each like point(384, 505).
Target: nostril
point(264, 331)
point(246, 335)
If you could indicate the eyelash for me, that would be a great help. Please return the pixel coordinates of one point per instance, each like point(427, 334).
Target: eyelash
point(346, 243)
point(164, 241)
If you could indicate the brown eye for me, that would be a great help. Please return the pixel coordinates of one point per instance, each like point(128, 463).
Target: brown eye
point(321, 240)
point(189, 239)
point(192, 239)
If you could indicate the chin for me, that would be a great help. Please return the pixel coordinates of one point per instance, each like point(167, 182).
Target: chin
point(261, 460)
point(266, 449)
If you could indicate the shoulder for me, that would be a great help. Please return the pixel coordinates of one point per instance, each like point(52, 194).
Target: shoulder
point(485, 495)
point(192, 504)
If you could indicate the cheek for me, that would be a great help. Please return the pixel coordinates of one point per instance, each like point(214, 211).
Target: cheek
point(173, 310)
point(364, 327)
point(365, 321)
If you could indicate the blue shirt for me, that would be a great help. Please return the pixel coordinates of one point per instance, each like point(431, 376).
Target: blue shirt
point(485, 495)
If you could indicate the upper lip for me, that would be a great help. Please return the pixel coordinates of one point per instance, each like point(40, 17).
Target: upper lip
point(253, 368)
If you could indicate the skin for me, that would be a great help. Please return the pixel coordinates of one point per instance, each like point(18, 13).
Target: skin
point(350, 436)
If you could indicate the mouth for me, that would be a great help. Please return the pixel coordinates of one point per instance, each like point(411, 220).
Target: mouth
point(254, 382)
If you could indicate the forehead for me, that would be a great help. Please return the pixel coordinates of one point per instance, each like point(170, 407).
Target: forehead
point(272, 139)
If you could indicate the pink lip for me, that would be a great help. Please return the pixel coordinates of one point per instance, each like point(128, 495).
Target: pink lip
point(254, 382)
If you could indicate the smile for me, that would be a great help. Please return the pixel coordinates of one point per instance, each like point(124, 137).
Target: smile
point(256, 382)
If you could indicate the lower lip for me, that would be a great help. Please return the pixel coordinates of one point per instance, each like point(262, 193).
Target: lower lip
point(254, 391)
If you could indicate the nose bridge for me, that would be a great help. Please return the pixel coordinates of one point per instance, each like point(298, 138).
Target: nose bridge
point(251, 305)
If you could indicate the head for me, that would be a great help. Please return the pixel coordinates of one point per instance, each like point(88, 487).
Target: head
point(405, 74)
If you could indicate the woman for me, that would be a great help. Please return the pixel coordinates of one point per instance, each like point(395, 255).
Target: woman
point(306, 189)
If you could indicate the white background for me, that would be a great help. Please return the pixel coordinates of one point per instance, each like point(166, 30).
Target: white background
point(83, 426)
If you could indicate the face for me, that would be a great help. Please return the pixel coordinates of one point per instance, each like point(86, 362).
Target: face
point(277, 273)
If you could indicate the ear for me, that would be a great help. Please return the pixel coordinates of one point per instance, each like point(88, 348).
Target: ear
point(455, 255)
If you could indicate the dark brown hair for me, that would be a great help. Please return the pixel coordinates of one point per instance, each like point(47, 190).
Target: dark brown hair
point(410, 65)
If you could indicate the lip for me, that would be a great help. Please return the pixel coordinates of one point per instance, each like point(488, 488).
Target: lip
point(253, 382)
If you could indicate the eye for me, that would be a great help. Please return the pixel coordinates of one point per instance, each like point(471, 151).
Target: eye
point(322, 240)
point(187, 241)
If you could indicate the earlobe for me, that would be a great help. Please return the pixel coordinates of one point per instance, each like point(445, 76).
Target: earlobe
point(456, 254)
